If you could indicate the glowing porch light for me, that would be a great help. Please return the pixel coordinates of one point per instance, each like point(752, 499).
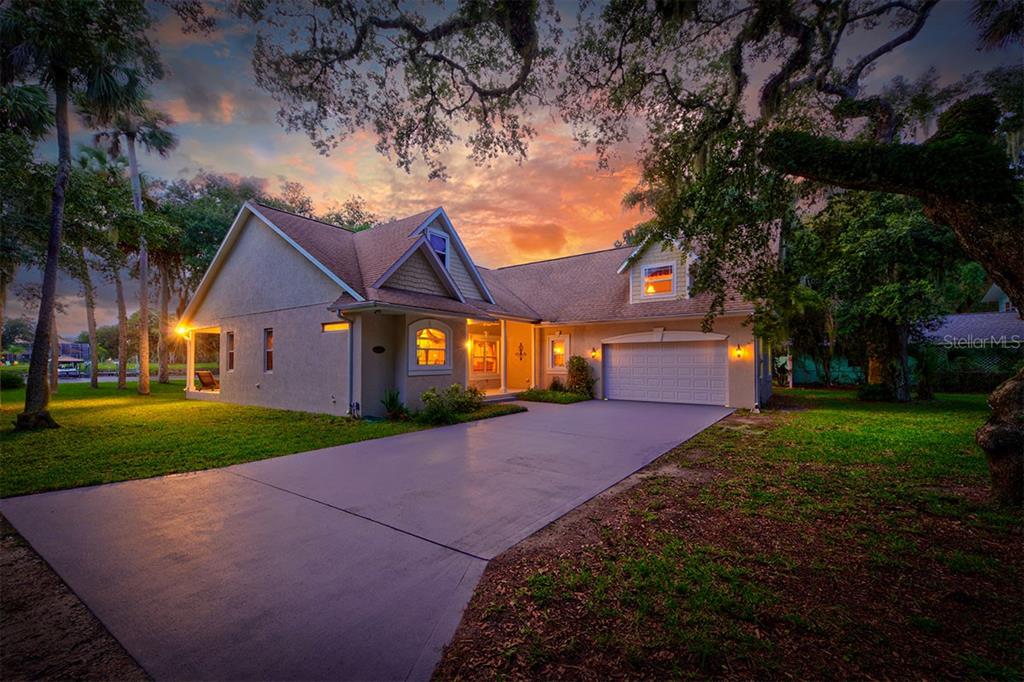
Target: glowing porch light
point(181, 330)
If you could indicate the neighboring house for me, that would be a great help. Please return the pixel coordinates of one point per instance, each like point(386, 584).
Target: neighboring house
point(979, 331)
point(995, 295)
point(311, 316)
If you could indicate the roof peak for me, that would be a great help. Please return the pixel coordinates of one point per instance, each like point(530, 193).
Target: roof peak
point(299, 215)
point(574, 255)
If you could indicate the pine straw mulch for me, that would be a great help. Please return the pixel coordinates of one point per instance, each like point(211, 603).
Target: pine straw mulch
point(691, 569)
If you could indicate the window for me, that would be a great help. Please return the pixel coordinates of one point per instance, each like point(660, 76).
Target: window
point(430, 347)
point(484, 357)
point(230, 343)
point(334, 326)
point(557, 347)
point(439, 243)
point(268, 350)
point(659, 280)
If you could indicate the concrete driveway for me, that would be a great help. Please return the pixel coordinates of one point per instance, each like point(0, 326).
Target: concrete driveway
point(351, 562)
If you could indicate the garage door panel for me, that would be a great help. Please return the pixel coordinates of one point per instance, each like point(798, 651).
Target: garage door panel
point(686, 372)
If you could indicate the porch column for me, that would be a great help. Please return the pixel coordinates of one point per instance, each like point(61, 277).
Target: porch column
point(190, 361)
point(503, 357)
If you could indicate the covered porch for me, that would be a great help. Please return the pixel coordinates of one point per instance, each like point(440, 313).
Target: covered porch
point(203, 362)
point(501, 356)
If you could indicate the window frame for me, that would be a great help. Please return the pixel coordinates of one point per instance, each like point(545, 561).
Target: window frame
point(268, 350)
point(412, 365)
point(431, 232)
point(229, 350)
point(497, 356)
point(643, 281)
point(551, 353)
point(334, 327)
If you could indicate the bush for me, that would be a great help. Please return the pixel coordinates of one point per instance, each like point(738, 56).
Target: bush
point(393, 407)
point(444, 407)
point(580, 377)
point(539, 395)
point(876, 392)
point(557, 385)
point(11, 380)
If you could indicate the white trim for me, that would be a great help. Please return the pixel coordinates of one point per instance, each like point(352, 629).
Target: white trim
point(412, 367)
point(436, 265)
point(470, 265)
point(229, 240)
point(644, 296)
point(550, 355)
point(659, 335)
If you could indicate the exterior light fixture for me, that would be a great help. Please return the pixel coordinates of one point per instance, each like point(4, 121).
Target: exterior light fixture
point(739, 351)
point(181, 330)
point(469, 344)
point(594, 353)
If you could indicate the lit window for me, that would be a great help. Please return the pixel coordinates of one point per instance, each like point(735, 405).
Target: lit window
point(556, 358)
point(268, 350)
point(230, 343)
point(439, 243)
point(334, 326)
point(431, 347)
point(658, 280)
point(484, 356)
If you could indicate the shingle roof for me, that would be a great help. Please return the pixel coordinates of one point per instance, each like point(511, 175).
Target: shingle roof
point(987, 328)
point(580, 288)
point(586, 288)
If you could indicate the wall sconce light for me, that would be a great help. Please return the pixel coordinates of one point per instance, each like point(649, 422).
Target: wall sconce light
point(469, 344)
point(181, 330)
point(739, 351)
point(594, 353)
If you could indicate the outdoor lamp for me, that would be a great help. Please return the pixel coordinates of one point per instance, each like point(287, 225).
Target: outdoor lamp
point(739, 351)
point(181, 330)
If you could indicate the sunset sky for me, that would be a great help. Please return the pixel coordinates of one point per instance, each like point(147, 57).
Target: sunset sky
point(556, 203)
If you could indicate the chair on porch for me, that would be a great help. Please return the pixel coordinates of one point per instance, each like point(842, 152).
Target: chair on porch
point(207, 382)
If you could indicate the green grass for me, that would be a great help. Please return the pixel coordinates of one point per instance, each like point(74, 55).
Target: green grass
point(108, 435)
point(540, 395)
point(490, 410)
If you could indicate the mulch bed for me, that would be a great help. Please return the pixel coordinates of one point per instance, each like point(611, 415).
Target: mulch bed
point(837, 605)
point(45, 630)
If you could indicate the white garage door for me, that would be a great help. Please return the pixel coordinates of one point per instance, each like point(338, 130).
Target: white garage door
point(685, 372)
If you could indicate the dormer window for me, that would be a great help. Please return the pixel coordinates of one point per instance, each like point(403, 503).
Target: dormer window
point(659, 281)
point(439, 243)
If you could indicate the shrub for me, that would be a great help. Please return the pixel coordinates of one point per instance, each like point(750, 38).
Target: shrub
point(539, 395)
point(11, 380)
point(557, 385)
point(393, 407)
point(876, 392)
point(580, 377)
point(445, 406)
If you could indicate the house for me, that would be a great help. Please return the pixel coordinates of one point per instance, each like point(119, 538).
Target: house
point(315, 317)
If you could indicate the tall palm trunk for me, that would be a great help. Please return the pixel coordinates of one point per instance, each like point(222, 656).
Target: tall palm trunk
point(133, 168)
point(90, 320)
point(162, 346)
point(122, 332)
point(54, 354)
point(5, 279)
point(37, 394)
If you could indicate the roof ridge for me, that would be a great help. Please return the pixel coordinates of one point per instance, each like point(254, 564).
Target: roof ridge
point(574, 255)
point(297, 215)
point(411, 215)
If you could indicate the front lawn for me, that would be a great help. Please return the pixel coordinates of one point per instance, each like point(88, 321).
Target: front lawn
point(541, 395)
point(828, 539)
point(109, 435)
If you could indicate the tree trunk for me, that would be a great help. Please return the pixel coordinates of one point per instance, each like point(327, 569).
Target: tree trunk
point(789, 364)
point(1002, 439)
point(122, 332)
point(90, 320)
point(4, 281)
point(133, 167)
point(162, 346)
point(902, 378)
point(54, 377)
point(37, 394)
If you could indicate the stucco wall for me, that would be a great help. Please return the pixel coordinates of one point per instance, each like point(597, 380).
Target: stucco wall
point(267, 284)
point(262, 272)
point(310, 366)
point(582, 339)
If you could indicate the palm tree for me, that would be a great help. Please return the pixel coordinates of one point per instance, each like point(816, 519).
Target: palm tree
point(68, 47)
point(138, 124)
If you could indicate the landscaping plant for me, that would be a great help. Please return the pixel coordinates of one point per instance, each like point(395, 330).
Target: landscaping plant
point(393, 407)
point(446, 406)
point(580, 377)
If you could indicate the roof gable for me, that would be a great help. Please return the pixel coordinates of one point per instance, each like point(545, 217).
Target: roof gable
point(419, 269)
point(439, 219)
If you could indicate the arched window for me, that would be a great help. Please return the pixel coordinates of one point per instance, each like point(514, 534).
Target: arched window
point(430, 347)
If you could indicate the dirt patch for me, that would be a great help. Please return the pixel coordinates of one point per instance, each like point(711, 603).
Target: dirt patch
point(46, 631)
